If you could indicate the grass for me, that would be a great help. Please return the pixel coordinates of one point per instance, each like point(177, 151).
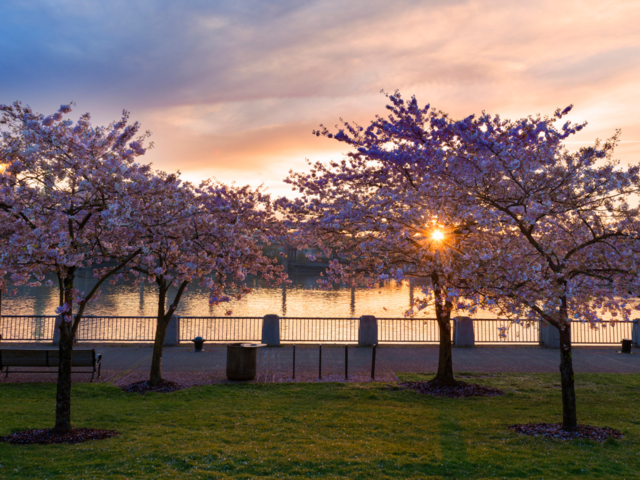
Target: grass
point(326, 430)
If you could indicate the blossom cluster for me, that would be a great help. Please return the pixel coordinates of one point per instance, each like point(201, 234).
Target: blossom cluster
point(492, 213)
point(73, 196)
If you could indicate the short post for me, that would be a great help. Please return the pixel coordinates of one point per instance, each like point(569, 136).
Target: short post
point(271, 330)
point(463, 333)
point(294, 362)
point(635, 333)
point(56, 330)
point(373, 363)
point(172, 337)
point(320, 362)
point(367, 331)
point(549, 335)
point(346, 362)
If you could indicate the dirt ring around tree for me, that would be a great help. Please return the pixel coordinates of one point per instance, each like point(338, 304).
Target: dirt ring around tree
point(47, 436)
point(462, 390)
point(554, 430)
point(142, 387)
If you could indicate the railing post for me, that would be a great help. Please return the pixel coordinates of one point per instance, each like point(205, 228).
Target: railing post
point(271, 330)
point(463, 333)
point(635, 333)
point(368, 331)
point(549, 335)
point(56, 330)
point(172, 338)
point(540, 333)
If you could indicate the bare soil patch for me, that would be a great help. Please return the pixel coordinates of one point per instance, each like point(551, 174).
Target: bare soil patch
point(461, 390)
point(144, 386)
point(554, 430)
point(47, 436)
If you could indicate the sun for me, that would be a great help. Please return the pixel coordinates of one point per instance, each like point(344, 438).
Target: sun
point(437, 235)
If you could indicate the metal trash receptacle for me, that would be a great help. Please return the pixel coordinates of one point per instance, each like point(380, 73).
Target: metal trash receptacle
point(241, 360)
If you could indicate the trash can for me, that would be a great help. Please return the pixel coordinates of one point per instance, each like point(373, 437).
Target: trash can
point(241, 360)
point(198, 342)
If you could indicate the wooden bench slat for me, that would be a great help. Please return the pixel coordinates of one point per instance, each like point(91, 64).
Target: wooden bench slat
point(11, 357)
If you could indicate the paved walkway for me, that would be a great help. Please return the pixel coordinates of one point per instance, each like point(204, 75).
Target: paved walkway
point(396, 359)
point(276, 364)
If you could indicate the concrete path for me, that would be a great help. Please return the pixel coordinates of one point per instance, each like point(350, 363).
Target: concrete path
point(276, 364)
point(396, 359)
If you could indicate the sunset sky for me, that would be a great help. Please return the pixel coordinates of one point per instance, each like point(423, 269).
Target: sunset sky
point(234, 89)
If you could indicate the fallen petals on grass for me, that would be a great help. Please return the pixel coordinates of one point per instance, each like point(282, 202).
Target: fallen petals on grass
point(457, 391)
point(554, 430)
point(144, 386)
point(46, 436)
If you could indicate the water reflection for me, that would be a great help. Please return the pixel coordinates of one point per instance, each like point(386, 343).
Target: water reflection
point(301, 298)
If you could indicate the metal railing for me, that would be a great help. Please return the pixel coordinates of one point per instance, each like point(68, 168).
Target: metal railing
point(408, 330)
point(32, 328)
point(323, 330)
point(605, 332)
point(221, 329)
point(40, 328)
point(496, 330)
point(116, 329)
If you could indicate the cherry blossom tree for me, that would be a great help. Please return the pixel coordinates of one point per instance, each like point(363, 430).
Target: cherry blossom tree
point(211, 234)
point(60, 189)
point(390, 223)
point(564, 238)
point(570, 231)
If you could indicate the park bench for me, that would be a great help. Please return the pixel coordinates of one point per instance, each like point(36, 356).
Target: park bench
point(31, 357)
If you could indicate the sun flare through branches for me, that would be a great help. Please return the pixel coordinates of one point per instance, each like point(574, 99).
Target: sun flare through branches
point(437, 235)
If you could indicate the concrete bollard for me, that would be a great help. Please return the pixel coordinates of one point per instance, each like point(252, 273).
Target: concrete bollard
point(635, 333)
point(463, 333)
point(271, 330)
point(56, 330)
point(549, 336)
point(368, 331)
point(172, 337)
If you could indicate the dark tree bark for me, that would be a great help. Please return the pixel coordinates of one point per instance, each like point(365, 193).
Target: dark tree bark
point(68, 332)
point(60, 288)
point(569, 412)
point(155, 377)
point(163, 319)
point(65, 349)
point(444, 377)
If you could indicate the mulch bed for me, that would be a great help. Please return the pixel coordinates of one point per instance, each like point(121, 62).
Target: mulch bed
point(46, 436)
point(554, 430)
point(143, 387)
point(459, 391)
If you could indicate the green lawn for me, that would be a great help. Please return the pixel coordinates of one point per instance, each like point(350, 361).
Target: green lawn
point(327, 430)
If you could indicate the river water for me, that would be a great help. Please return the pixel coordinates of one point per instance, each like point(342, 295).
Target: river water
point(301, 298)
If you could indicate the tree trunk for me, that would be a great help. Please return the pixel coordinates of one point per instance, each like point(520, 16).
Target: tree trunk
point(163, 319)
point(444, 377)
point(569, 413)
point(155, 377)
point(65, 349)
